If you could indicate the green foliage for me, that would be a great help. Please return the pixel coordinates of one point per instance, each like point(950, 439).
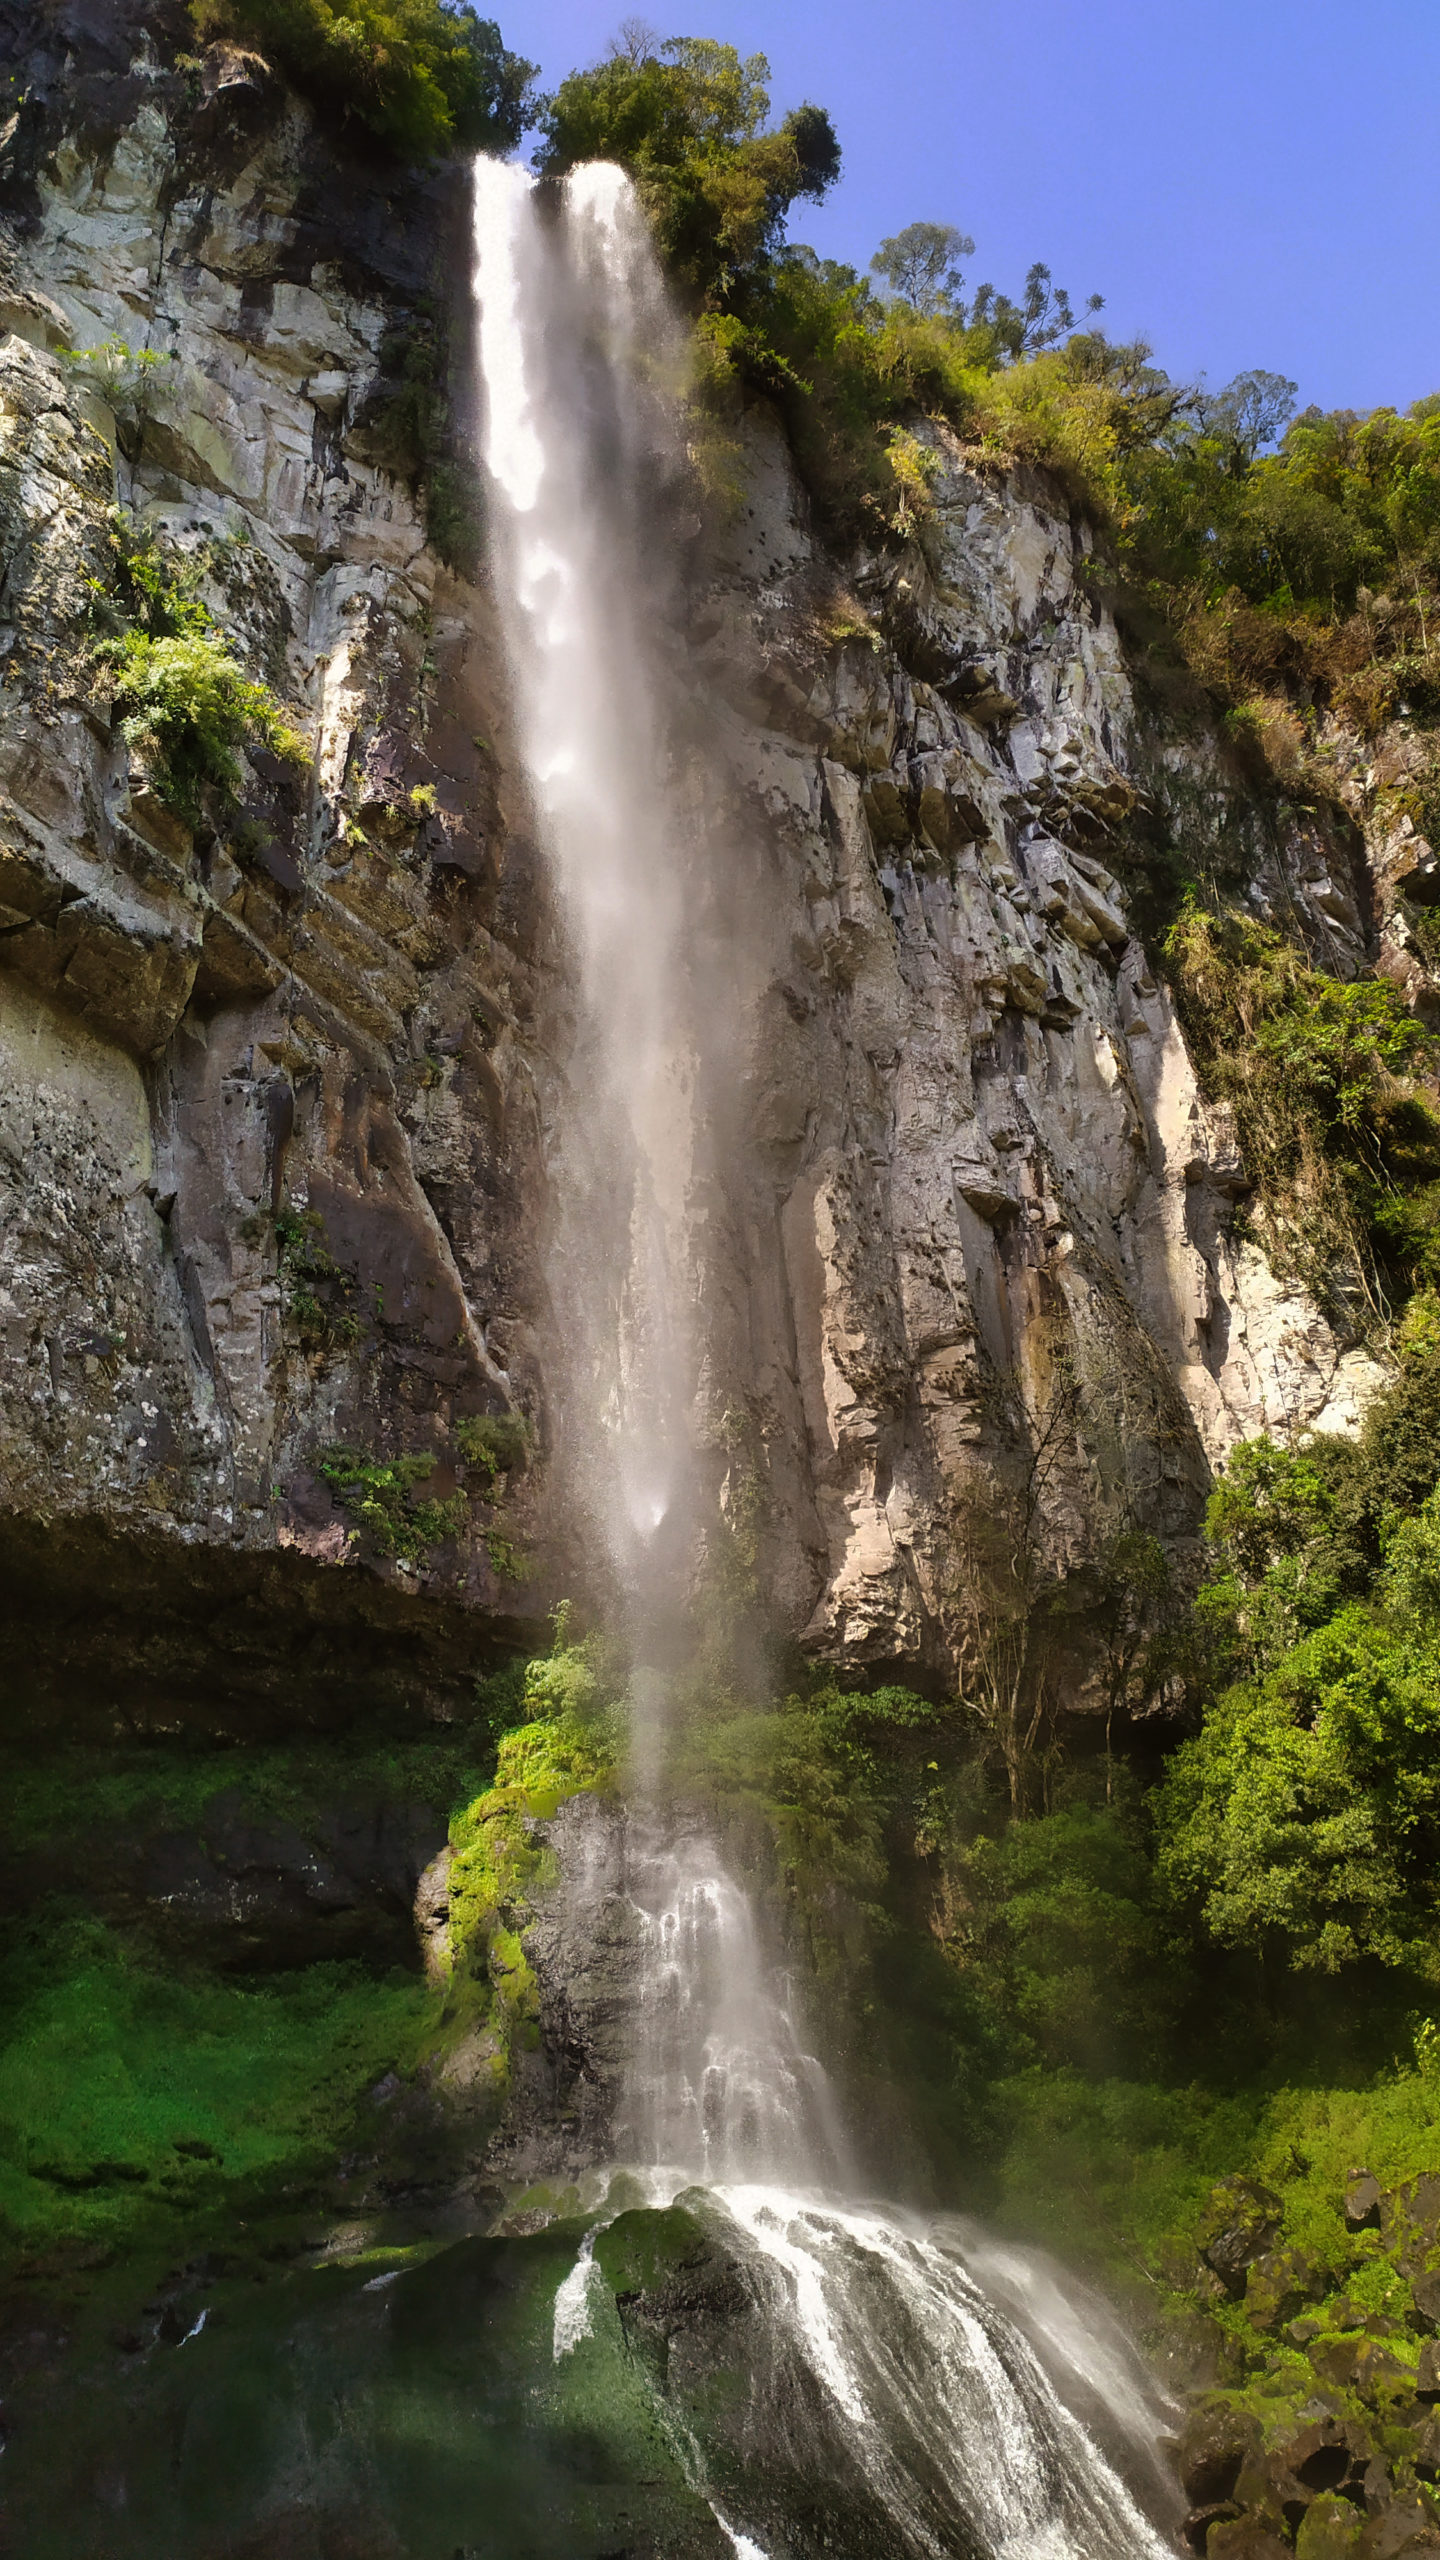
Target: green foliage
point(686, 120)
point(1341, 1144)
point(1345, 502)
point(426, 76)
point(126, 377)
point(131, 2094)
point(306, 1268)
point(497, 1443)
point(186, 704)
point(1304, 1819)
point(380, 1493)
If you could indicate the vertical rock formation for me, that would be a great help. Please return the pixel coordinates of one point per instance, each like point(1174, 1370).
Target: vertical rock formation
point(280, 1093)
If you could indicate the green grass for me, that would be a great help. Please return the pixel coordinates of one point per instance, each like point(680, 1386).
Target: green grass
point(131, 2094)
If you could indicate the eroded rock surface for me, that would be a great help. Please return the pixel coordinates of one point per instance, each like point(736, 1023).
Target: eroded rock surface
point(282, 1097)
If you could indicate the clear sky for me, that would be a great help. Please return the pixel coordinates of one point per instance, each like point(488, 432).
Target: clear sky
point(1248, 182)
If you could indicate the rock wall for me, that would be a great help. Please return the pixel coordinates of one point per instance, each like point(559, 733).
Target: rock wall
point(281, 1095)
point(979, 1157)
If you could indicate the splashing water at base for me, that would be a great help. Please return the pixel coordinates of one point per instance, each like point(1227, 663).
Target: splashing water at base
point(964, 2432)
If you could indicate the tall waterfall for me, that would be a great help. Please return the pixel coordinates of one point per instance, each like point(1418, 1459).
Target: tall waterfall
point(578, 352)
point(986, 2413)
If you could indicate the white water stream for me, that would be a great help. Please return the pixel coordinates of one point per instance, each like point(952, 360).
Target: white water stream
point(987, 2403)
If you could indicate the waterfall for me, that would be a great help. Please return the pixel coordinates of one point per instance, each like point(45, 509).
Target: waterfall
point(983, 2423)
point(578, 351)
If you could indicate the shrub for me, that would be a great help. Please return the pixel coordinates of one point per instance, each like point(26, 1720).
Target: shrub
point(380, 1493)
point(496, 1442)
point(427, 76)
point(1340, 1143)
point(187, 706)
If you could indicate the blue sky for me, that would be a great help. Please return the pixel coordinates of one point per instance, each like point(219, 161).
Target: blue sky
point(1248, 182)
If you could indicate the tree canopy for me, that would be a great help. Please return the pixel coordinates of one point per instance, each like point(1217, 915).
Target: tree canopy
point(687, 118)
point(427, 76)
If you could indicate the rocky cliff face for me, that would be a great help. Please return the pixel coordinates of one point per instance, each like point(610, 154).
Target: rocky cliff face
point(281, 1095)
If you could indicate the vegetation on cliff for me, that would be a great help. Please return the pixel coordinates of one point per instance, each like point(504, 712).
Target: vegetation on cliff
point(187, 706)
point(426, 77)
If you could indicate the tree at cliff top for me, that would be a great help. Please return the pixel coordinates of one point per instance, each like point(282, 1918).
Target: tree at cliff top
point(687, 118)
point(427, 76)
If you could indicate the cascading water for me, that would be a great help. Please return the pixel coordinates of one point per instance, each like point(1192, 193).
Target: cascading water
point(968, 2415)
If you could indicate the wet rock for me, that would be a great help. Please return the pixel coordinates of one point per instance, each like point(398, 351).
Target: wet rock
point(1362, 2201)
point(1239, 2221)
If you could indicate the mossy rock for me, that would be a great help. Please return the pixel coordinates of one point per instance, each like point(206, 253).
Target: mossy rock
point(1330, 2529)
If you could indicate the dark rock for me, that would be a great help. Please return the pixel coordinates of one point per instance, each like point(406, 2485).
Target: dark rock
point(1426, 2290)
point(1214, 2443)
point(1237, 2226)
point(1245, 2540)
point(1427, 2381)
point(1331, 2454)
point(1279, 2283)
point(1406, 2525)
point(1198, 2523)
point(1362, 2201)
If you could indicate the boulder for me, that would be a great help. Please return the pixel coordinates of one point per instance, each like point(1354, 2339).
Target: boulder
point(1214, 2443)
point(1426, 2289)
point(1330, 2529)
point(1280, 2283)
point(1239, 2222)
point(1245, 2540)
point(1362, 2201)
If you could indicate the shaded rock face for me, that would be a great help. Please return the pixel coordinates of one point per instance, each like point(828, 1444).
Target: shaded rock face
point(281, 1097)
point(982, 1177)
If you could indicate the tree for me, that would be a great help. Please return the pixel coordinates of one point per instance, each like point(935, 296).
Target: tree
point(1249, 414)
point(687, 119)
point(921, 265)
point(1040, 320)
point(425, 75)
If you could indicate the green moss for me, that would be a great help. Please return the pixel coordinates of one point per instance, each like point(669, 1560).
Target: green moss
point(567, 1748)
point(132, 2097)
